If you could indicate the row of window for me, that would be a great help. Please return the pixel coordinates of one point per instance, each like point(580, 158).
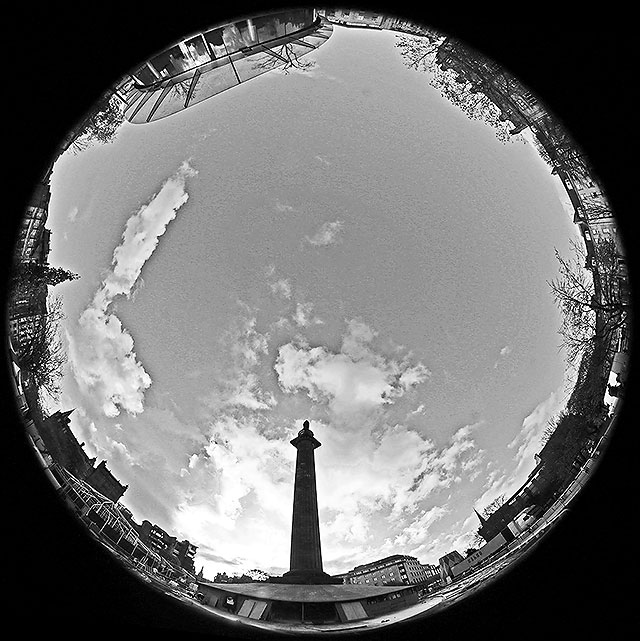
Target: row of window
point(221, 42)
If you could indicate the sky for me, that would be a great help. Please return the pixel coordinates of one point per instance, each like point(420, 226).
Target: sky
point(339, 245)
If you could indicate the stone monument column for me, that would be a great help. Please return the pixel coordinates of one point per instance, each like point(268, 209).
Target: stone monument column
point(305, 562)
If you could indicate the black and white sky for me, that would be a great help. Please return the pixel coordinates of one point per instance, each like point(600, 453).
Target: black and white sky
point(340, 245)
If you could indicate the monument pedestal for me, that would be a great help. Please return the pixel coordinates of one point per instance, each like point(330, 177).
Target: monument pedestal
point(306, 577)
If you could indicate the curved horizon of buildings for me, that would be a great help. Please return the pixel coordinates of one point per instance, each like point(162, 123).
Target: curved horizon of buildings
point(174, 80)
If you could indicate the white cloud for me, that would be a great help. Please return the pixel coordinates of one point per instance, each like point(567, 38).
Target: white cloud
point(282, 288)
point(101, 350)
point(387, 481)
point(419, 409)
point(303, 317)
point(526, 445)
point(327, 234)
point(238, 384)
point(283, 207)
point(356, 378)
point(105, 365)
point(239, 500)
point(416, 532)
point(142, 234)
point(505, 351)
point(73, 214)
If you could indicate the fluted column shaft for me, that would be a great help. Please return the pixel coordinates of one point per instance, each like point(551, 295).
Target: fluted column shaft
point(306, 553)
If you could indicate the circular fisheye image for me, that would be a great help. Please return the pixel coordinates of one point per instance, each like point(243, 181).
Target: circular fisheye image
point(318, 323)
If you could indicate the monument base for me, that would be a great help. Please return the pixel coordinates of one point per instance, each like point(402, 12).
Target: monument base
point(306, 577)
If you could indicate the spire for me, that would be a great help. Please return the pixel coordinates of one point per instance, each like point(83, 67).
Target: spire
point(482, 520)
point(65, 415)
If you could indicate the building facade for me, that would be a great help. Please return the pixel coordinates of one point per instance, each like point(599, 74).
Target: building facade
point(398, 569)
point(65, 450)
point(517, 104)
point(25, 310)
point(180, 553)
point(296, 604)
point(371, 20)
point(219, 58)
point(447, 562)
point(32, 242)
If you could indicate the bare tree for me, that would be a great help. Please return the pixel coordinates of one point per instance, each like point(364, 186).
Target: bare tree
point(478, 541)
point(100, 125)
point(285, 59)
point(421, 53)
point(497, 503)
point(589, 300)
point(573, 291)
point(418, 52)
point(549, 429)
point(41, 354)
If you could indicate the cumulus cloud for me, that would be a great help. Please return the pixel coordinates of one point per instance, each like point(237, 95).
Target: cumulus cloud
point(415, 533)
point(303, 317)
point(239, 383)
point(237, 501)
point(327, 234)
point(281, 288)
point(101, 350)
point(354, 378)
point(386, 480)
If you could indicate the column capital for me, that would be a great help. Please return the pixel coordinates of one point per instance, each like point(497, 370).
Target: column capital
point(305, 435)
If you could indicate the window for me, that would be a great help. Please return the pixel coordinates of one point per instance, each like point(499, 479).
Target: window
point(353, 610)
point(216, 43)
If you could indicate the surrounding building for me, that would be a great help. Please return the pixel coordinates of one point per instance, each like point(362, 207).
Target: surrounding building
point(524, 110)
point(186, 552)
point(535, 492)
point(371, 20)
point(181, 553)
point(432, 572)
point(354, 17)
point(517, 104)
point(447, 562)
point(32, 242)
point(112, 524)
point(306, 604)
point(398, 569)
point(219, 58)
point(63, 446)
point(25, 310)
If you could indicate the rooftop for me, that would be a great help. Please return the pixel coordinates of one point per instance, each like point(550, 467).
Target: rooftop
point(306, 593)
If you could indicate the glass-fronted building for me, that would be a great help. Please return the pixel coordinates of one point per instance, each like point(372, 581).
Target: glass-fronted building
point(218, 58)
